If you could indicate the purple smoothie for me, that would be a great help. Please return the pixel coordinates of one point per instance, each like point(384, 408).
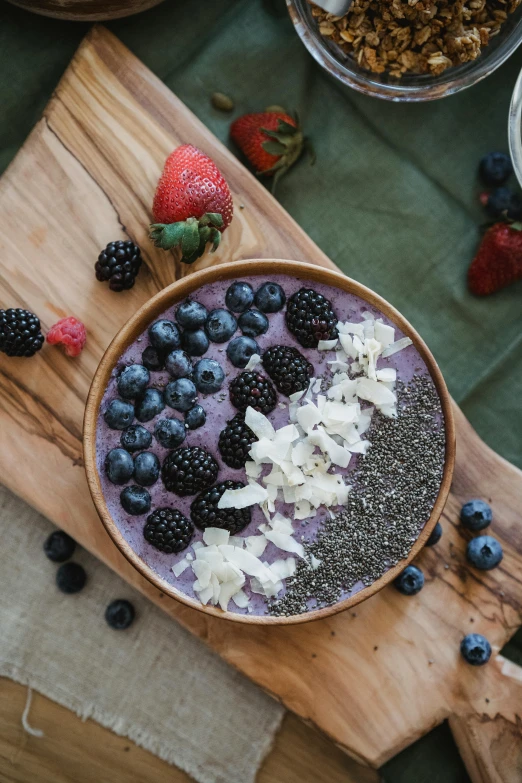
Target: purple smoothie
point(219, 410)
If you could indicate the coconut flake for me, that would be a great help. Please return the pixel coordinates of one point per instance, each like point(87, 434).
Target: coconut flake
point(253, 469)
point(356, 329)
point(256, 545)
point(387, 374)
point(205, 594)
point(302, 509)
point(315, 562)
point(241, 599)
point(259, 424)
point(215, 535)
point(397, 346)
point(252, 363)
point(374, 391)
point(285, 542)
point(282, 569)
point(244, 497)
point(384, 334)
point(178, 568)
point(326, 345)
point(203, 573)
point(197, 545)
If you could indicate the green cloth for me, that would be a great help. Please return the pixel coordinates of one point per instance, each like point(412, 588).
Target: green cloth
point(392, 198)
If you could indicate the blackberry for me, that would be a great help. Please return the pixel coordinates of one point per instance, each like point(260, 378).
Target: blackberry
point(310, 317)
point(254, 390)
point(119, 263)
point(205, 512)
point(235, 441)
point(189, 470)
point(20, 333)
point(168, 530)
point(288, 368)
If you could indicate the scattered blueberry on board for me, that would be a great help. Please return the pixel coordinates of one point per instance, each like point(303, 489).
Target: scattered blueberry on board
point(170, 433)
point(239, 297)
point(168, 530)
point(484, 552)
point(191, 315)
point(146, 469)
point(119, 466)
point(208, 376)
point(119, 414)
point(59, 546)
point(120, 614)
point(149, 405)
point(195, 417)
point(475, 649)
point(133, 381)
point(241, 349)
point(253, 323)
point(135, 438)
point(220, 325)
point(504, 203)
point(476, 514)
point(71, 578)
point(270, 298)
point(135, 500)
point(195, 343)
point(410, 581)
point(436, 535)
point(495, 168)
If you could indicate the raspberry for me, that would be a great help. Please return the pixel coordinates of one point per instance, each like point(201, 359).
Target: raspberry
point(70, 333)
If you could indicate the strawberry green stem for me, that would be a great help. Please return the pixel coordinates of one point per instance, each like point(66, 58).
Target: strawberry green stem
point(191, 235)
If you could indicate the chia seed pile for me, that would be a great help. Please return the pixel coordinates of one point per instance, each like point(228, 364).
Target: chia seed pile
point(394, 488)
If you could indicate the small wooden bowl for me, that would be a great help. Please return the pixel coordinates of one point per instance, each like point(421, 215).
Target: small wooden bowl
point(176, 293)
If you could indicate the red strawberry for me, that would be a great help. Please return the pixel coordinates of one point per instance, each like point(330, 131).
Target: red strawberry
point(271, 140)
point(192, 204)
point(498, 261)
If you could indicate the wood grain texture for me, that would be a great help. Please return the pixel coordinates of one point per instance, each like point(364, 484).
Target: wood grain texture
point(64, 754)
point(374, 679)
point(185, 288)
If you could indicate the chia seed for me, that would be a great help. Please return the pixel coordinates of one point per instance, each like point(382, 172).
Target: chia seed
point(394, 488)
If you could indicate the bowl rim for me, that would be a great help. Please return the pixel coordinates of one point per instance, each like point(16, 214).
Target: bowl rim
point(401, 92)
point(178, 291)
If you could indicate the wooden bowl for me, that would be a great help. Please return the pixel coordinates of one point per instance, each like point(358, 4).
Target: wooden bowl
point(176, 293)
point(86, 10)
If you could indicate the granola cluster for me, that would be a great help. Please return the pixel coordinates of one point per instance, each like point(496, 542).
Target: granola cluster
point(414, 36)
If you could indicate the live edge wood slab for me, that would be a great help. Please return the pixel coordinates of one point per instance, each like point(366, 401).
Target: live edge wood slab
point(374, 679)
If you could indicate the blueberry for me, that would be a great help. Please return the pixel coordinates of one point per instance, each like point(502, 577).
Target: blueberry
point(146, 469)
point(253, 323)
point(71, 578)
point(410, 581)
point(208, 376)
point(133, 381)
point(119, 466)
point(59, 546)
point(475, 649)
point(220, 325)
point(239, 297)
point(191, 315)
point(476, 514)
point(502, 202)
point(484, 552)
point(435, 536)
point(195, 343)
point(495, 168)
point(119, 415)
point(149, 405)
point(135, 500)
point(120, 614)
point(270, 298)
point(152, 359)
point(178, 364)
point(135, 438)
point(195, 417)
point(170, 433)
point(240, 349)
point(181, 394)
point(164, 335)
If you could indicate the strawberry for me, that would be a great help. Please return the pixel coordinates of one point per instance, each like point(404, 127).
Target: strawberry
point(192, 204)
point(498, 261)
point(271, 140)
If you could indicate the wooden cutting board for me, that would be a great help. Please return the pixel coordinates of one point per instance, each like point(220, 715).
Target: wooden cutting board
point(374, 679)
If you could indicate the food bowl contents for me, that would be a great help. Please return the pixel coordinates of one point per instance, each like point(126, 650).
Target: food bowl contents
point(282, 468)
point(400, 37)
